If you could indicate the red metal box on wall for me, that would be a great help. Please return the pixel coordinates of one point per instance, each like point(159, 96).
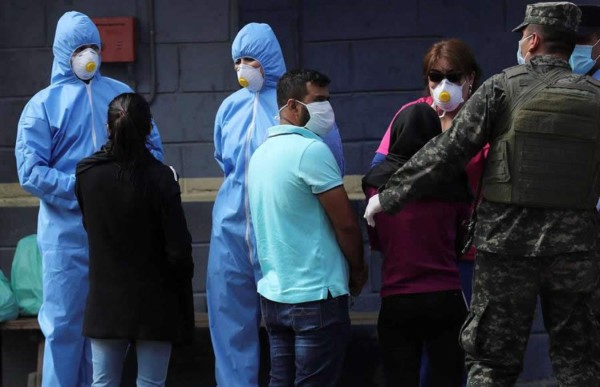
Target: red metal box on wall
point(118, 38)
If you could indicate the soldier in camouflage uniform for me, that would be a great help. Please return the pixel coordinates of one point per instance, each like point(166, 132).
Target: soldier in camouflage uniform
point(537, 232)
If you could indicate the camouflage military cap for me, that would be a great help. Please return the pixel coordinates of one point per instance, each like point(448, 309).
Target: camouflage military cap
point(563, 15)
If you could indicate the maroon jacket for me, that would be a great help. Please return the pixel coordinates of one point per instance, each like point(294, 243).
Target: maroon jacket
point(418, 246)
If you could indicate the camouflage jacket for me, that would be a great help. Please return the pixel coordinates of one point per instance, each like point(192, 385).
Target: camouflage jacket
point(501, 228)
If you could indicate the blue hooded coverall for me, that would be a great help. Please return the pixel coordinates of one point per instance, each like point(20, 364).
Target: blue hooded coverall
point(59, 126)
point(240, 127)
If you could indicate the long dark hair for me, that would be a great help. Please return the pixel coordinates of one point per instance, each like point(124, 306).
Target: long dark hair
point(129, 123)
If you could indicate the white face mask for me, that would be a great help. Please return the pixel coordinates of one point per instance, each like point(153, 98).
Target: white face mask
point(321, 118)
point(447, 95)
point(250, 77)
point(85, 63)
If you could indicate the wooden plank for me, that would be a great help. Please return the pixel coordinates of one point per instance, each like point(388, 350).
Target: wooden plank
point(357, 318)
point(201, 189)
point(364, 318)
point(201, 321)
point(23, 323)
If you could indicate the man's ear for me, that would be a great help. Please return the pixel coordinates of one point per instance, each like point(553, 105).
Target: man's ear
point(291, 104)
point(536, 41)
point(294, 106)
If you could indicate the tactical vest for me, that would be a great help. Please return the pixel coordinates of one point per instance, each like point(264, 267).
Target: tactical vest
point(546, 152)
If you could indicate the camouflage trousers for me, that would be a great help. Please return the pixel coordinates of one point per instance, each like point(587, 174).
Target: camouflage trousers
point(505, 293)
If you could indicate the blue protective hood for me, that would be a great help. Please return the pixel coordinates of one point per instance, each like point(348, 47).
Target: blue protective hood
point(258, 41)
point(73, 30)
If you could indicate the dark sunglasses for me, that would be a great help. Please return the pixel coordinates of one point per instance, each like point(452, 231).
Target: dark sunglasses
point(438, 76)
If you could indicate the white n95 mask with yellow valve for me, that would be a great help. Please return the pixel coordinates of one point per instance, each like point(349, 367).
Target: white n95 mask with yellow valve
point(447, 95)
point(85, 63)
point(250, 77)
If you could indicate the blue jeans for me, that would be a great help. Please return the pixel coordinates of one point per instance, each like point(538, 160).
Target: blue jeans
point(108, 357)
point(308, 341)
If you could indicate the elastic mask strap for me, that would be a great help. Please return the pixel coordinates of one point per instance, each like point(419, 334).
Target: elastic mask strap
point(436, 111)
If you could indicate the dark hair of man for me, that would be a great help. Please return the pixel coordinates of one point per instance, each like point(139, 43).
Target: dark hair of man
point(293, 84)
point(129, 122)
point(458, 54)
point(589, 36)
point(555, 40)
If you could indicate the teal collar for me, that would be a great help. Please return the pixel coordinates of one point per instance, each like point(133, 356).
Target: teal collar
point(292, 129)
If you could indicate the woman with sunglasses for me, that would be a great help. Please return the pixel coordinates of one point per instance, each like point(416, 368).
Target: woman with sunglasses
point(451, 75)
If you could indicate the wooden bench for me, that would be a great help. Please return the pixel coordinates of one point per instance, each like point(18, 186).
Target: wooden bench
point(29, 324)
point(201, 321)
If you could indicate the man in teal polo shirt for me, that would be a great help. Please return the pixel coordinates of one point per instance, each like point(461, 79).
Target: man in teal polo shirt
point(309, 243)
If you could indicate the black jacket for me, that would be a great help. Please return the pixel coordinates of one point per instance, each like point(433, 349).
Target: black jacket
point(140, 251)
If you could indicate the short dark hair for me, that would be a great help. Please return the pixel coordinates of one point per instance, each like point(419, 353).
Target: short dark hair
point(293, 84)
point(588, 36)
point(555, 40)
point(129, 122)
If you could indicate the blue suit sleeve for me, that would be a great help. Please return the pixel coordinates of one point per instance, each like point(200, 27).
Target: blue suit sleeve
point(379, 157)
point(33, 151)
point(334, 142)
point(218, 142)
point(155, 143)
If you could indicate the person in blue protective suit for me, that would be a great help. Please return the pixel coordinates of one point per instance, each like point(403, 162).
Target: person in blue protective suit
point(59, 126)
point(240, 127)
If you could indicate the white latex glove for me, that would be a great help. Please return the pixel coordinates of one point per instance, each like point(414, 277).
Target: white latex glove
point(373, 207)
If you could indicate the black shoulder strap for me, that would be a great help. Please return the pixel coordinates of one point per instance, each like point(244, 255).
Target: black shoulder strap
point(515, 71)
point(593, 81)
point(540, 82)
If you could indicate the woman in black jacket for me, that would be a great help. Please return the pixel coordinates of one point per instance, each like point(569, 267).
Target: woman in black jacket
point(140, 250)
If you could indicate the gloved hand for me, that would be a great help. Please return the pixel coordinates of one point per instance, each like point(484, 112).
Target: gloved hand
point(373, 207)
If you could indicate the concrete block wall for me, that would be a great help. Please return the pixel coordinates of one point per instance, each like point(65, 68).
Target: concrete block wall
point(371, 49)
